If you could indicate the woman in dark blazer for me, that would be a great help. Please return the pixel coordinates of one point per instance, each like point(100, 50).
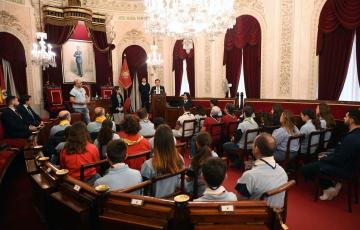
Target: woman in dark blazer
point(187, 100)
point(117, 105)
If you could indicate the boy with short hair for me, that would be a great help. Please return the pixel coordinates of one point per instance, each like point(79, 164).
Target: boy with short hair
point(119, 176)
point(214, 171)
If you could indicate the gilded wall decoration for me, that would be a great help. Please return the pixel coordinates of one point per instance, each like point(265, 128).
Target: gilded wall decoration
point(286, 49)
point(115, 5)
point(254, 4)
point(208, 66)
point(12, 22)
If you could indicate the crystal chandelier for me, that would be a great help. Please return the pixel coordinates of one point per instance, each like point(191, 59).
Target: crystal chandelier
point(41, 52)
point(185, 19)
point(154, 59)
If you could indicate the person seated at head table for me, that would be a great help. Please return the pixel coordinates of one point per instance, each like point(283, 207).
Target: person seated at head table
point(238, 142)
point(187, 99)
point(265, 174)
point(282, 135)
point(203, 151)
point(214, 172)
point(312, 124)
point(146, 126)
point(14, 124)
point(177, 132)
point(274, 116)
point(27, 113)
point(65, 119)
point(342, 163)
point(214, 105)
point(166, 160)
point(119, 176)
point(135, 142)
point(95, 126)
point(105, 135)
point(77, 151)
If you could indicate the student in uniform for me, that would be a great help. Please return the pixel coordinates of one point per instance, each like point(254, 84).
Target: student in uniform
point(283, 134)
point(105, 135)
point(119, 175)
point(166, 160)
point(214, 172)
point(311, 125)
point(146, 126)
point(265, 175)
point(185, 117)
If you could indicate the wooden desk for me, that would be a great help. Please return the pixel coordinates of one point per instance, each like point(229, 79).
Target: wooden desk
point(172, 114)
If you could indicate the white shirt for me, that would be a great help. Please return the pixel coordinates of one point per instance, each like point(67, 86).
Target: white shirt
point(185, 117)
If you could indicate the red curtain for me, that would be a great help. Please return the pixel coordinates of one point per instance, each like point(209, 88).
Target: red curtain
point(244, 39)
point(13, 51)
point(136, 58)
point(337, 24)
point(252, 68)
point(179, 54)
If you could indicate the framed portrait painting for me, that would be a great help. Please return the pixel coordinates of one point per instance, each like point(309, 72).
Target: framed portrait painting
point(78, 61)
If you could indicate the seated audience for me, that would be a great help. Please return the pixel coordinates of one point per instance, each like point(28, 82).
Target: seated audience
point(212, 119)
point(214, 105)
point(65, 119)
point(14, 124)
point(105, 135)
point(239, 139)
point(185, 117)
point(27, 113)
point(214, 172)
point(203, 152)
point(311, 125)
point(95, 126)
point(146, 126)
point(342, 163)
point(282, 135)
point(166, 160)
point(265, 175)
point(78, 151)
point(198, 114)
point(326, 118)
point(119, 175)
point(135, 142)
point(187, 100)
point(229, 114)
point(59, 140)
point(275, 113)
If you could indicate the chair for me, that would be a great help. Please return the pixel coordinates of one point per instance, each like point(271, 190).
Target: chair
point(288, 161)
point(188, 131)
point(199, 124)
point(182, 174)
point(327, 138)
point(98, 164)
point(87, 89)
point(278, 219)
point(130, 211)
point(106, 92)
point(216, 133)
point(181, 148)
point(236, 215)
point(352, 183)
point(231, 129)
point(54, 100)
point(312, 150)
point(246, 151)
point(270, 129)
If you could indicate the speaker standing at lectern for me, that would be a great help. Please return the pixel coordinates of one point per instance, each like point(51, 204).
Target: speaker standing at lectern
point(157, 89)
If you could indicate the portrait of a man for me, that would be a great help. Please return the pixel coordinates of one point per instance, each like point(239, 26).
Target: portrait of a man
point(78, 60)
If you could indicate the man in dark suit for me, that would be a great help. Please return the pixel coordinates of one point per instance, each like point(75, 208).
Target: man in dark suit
point(144, 89)
point(157, 89)
point(14, 125)
point(27, 113)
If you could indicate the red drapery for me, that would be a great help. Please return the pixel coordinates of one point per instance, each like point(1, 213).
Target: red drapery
point(179, 54)
point(58, 35)
point(337, 24)
point(13, 51)
point(244, 38)
point(136, 58)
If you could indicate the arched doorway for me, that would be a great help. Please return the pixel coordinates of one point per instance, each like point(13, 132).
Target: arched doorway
point(242, 47)
point(136, 58)
point(12, 50)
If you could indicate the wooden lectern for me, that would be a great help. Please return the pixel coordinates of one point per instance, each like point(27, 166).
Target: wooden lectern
point(158, 105)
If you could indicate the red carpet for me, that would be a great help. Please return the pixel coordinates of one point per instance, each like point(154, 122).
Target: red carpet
point(17, 212)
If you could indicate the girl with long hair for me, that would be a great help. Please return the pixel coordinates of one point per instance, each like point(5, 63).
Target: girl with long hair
point(166, 160)
point(326, 118)
point(105, 135)
point(77, 151)
point(312, 123)
point(282, 135)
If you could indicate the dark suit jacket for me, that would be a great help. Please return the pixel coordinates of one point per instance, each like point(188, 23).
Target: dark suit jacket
point(14, 125)
point(188, 103)
point(29, 120)
point(144, 92)
point(115, 103)
point(162, 90)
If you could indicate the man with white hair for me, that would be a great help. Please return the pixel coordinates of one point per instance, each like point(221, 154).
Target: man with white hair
point(79, 100)
point(65, 119)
